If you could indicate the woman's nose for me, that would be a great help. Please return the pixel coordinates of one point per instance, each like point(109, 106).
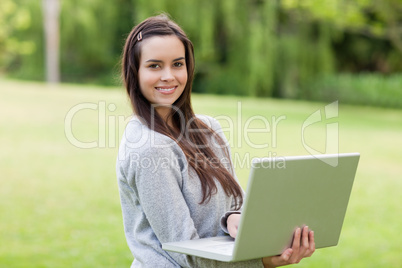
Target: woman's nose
point(167, 75)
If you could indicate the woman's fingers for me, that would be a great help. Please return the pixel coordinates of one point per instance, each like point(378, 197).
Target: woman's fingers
point(305, 237)
point(305, 243)
point(233, 224)
point(303, 246)
point(232, 232)
point(312, 243)
point(281, 260)
point(295, 257)
point(286, 255)
point(296, 239)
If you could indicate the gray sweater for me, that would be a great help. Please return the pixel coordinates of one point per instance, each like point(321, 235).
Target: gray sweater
point(160, 198)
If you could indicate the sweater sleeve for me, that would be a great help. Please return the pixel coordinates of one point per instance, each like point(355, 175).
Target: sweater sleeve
point(159, 193)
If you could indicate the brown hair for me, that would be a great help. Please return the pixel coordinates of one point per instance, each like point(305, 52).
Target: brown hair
point(182, 115)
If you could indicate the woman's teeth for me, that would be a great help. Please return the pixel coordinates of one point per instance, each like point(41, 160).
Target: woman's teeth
point(165, 89)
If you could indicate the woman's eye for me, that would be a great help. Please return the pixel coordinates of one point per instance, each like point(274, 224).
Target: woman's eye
point(154, 66)
point(178, 64)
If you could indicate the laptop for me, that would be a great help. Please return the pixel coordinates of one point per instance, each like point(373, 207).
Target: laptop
point(284, 193)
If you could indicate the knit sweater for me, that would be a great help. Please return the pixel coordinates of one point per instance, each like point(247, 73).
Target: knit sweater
point(160, 198)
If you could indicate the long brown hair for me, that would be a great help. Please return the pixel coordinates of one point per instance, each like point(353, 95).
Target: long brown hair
point(182, 115)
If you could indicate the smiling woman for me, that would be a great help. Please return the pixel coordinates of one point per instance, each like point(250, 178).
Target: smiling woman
point(195, 194)
point(162, 73)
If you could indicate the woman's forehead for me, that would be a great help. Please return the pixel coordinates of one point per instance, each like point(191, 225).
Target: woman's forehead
point(162, 48)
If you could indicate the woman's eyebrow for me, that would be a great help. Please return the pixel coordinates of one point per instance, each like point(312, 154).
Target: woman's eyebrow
point(181, 58)
point(154, 60)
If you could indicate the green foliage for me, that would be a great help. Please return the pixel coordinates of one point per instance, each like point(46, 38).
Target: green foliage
point(13, 20)
point(302, 58)
point(256, 47)
point(91, 42)
point(24, 35)
point(368, 22)
point(363, 89)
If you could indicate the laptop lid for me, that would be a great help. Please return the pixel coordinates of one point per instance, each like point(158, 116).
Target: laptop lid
point(286, 192)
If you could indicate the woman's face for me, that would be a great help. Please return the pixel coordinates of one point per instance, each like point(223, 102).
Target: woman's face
point(162, 71)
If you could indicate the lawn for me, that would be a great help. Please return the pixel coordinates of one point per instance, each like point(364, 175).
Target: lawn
point(59, 202)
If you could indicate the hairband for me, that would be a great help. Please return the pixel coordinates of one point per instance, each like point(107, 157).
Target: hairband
point(139, 36)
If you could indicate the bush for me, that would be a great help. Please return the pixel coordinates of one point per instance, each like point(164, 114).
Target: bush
point(364, 89)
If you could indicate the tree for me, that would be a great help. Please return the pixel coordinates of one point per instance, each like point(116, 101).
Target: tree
point(13, 19)
point(51, 11)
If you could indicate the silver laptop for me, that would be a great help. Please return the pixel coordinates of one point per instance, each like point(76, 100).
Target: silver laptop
point(284, 193)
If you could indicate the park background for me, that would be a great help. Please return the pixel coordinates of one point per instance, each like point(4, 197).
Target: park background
point(59, 203)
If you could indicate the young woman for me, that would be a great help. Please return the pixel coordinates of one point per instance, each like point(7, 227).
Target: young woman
point(175, 176)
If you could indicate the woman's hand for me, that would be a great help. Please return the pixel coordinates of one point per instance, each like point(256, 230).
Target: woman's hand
point(233, 224)
point(303, 246)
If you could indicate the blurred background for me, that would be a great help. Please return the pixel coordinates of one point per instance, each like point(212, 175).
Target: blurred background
point(63, 110)
point(316, 50)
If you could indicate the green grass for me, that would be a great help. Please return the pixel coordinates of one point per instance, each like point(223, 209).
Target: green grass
point(60, 207)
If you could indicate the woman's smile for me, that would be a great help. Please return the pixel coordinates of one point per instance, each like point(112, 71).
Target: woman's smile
point(166, 89)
